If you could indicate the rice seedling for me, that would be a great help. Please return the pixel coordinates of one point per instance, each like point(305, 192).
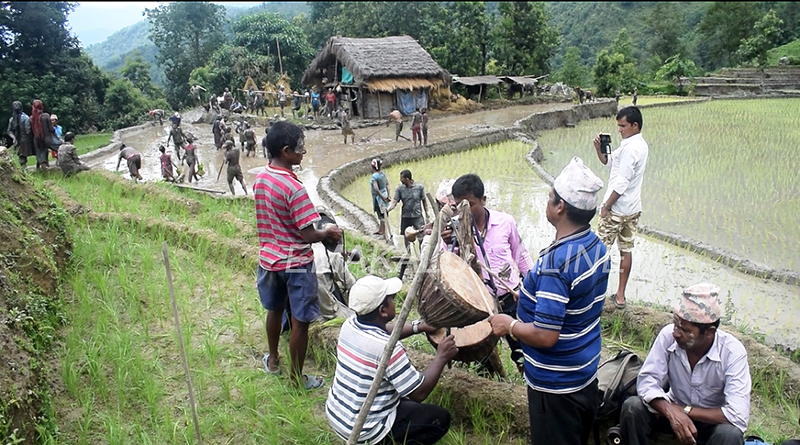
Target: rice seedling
point(722, 172)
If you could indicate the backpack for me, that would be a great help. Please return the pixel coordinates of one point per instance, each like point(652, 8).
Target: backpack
point(616, 381)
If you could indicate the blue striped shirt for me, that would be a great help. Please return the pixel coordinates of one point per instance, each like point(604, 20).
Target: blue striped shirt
point(565, 292)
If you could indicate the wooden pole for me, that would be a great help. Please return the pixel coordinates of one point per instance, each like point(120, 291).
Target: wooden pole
point(401, 321)
point(180, 341)
point(280, 64)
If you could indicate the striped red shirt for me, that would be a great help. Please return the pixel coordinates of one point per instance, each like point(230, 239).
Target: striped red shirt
point(283, 209)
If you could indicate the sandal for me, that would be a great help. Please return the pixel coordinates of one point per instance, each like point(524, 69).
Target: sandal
point(265, 360)
point(619, 306)
point(312, 381)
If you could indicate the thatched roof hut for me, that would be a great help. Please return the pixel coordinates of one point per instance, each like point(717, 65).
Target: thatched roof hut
point(382, 73)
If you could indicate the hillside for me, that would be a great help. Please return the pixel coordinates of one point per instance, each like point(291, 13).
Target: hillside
point(592, 26)
point(110, 54)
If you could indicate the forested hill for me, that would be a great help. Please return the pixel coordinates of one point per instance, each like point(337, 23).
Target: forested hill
point(592, 26)
point(111, 53)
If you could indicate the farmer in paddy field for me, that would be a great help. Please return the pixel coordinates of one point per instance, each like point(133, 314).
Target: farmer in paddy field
point(285, 218)
point(232, 155)
point(133, 158)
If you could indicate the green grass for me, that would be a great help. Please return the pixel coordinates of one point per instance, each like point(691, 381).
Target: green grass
point(85, 143)
point(791, 49)
point(720, 172)
point(120, 364)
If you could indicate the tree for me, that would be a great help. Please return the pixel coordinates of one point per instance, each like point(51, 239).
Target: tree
point(523, 40)
point(573, 72)
point(612, 72)
point(125, 106)
point(263, 34)
point(623, 45)
point(138, 72)
point(33, 33)
point(723, 28)
point(666, 23)
point(230, 66)
point(186, 34)
point(766, 35)
point(677, 70)
point(465, 38)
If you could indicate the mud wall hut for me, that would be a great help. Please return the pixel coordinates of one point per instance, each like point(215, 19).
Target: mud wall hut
point(380, 73)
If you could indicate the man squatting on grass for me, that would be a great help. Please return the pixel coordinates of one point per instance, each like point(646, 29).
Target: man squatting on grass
point(707, 374)
point(559, 310)
point(285, 218)
point(397, 414)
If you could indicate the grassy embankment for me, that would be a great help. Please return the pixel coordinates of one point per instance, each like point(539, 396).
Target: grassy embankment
point(120, 365)
point(84, 143)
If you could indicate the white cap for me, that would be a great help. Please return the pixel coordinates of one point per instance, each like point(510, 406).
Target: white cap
point(578, 185)
point(369, 292)
point(444, 193)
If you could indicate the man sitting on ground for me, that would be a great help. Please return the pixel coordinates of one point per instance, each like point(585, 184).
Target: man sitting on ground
point(707, 374)
point(398, 412)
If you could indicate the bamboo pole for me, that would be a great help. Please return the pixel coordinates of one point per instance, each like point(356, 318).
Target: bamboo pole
point(280, 64)
point(398, 329)
point(180, 341)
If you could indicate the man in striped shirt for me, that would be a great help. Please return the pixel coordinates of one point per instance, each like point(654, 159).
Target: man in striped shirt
point(397, 414)
point(285, 220)
point(559, 314)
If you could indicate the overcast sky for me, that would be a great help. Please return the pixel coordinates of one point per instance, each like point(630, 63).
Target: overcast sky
point(93, 22)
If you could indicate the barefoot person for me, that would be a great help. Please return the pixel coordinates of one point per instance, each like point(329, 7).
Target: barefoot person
point(285, 218)
point(133, 158)
point(234, 171)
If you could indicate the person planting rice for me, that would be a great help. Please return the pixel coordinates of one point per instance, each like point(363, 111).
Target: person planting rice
point(133, 158)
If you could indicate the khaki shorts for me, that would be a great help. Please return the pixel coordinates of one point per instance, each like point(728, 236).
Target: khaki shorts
point(620, 228)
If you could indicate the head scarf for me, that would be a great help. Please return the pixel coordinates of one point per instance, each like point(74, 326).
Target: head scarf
point(36, 119)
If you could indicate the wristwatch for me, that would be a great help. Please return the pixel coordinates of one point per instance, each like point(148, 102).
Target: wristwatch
point(415, 326)
point(687, 409)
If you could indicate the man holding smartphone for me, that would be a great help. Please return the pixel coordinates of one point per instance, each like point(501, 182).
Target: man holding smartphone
point(622, 204)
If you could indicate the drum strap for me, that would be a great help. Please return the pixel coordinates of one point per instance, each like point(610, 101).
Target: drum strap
point(479, 238)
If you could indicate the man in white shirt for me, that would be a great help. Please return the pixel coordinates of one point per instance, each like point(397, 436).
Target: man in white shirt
point(707, 375)
point(622, 204)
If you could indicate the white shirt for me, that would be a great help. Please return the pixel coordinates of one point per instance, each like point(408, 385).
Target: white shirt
point(627, 165)
point(720, 379)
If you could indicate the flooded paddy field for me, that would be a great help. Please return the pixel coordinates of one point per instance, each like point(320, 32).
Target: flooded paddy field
point(720, 172)
point(660, 270)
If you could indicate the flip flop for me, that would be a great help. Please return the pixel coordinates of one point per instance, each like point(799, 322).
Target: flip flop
point(313, 382)
point(265, 360)
point(619, 306)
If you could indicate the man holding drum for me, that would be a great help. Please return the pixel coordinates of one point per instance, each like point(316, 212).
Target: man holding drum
point(559, 314)
point(499, 247)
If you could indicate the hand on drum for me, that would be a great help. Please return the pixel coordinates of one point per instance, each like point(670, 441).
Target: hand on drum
point(447, 348)
point(500, 324)
point(447, 232)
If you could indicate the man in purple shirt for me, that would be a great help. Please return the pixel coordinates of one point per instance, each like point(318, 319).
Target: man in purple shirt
point(706, 372)
point(498, 247)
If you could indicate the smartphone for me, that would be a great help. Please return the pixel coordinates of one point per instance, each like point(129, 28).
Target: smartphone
point(605, 143)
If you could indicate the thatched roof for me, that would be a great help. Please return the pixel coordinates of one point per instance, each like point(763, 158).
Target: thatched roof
point(478, 80)
point(386, 58)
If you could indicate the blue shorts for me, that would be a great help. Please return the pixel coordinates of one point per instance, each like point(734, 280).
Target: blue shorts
point(296, 286)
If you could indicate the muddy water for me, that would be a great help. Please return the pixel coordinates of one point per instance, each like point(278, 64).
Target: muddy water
point(660, 271)
point(326, 149)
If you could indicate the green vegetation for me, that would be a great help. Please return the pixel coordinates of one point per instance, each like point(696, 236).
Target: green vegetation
point(790, 50)
point(717, 172)
point(85, 143)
